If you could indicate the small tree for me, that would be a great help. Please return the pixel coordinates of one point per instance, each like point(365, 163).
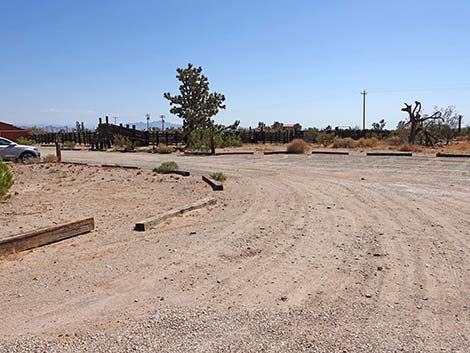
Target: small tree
point(416, 121)
point(195, 104)
point(379, 126)
point(6, 181)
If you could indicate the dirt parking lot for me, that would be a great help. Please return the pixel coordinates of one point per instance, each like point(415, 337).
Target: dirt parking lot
point(312, 253)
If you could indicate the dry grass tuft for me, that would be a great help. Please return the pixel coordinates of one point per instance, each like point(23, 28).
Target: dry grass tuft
point(50, 158)
point(297, 146)
point(346, 142)
point(368, 142)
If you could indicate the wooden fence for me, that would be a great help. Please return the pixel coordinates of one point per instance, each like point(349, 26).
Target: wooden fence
point(104, 135)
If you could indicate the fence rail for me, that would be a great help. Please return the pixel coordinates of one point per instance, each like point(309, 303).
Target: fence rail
point(105, 133)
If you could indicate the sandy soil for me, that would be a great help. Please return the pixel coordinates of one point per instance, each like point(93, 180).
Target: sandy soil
point(302, 253)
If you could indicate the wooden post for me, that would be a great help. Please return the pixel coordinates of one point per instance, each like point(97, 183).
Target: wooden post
point(58, 152)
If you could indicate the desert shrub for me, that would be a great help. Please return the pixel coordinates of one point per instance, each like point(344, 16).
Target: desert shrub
point(24, 141)
point(69, 145)
point(162, 149)
point(325, 138)
point(199, 140)
point(346, 142)
point(230, 139)
point(394, 140)
point(6, 181)
point(219, 176)
point(311, 135)
point(50, 158)
point(297, 146)
point(123, 144)
point(167, 167)
point(367, 142)
point(405, 148)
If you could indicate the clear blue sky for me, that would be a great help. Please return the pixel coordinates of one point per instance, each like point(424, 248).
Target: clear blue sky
point(291, 61)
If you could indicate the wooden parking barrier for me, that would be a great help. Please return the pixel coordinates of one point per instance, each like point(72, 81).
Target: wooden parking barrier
point(453, 155)
point(216, 185)
point(393, 154)
point(178, 172)
point(44, 236)
point(234, 153)
point(153, 221)
point(331, 152)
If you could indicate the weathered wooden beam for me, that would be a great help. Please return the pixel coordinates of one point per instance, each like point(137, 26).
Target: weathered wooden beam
point(178, 172)
point(395, 154)
point(119, 166)
point(234, 153)
point(331, 152)
point(453, 155)
point(153, 221)
point(216, 185)
point(44, 236)
point(275, 152)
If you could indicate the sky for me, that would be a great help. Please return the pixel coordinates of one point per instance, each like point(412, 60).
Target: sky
point(292, 61)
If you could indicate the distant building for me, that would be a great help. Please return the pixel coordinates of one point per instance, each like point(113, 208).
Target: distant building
point(12, 132)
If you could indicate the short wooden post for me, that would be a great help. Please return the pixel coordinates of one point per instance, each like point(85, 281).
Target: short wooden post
point(58, 152)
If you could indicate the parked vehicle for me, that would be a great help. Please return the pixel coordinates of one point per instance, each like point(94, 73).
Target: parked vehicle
point(12, 151)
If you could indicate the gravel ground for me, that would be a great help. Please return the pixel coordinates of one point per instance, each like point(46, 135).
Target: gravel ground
point(302, 253)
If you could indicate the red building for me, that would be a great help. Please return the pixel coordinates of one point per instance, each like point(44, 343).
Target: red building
point(12, 132)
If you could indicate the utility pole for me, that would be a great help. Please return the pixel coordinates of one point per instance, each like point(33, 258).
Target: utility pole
point(163, 122)
point(364, 109)
point(115, 119)
point(147, 116)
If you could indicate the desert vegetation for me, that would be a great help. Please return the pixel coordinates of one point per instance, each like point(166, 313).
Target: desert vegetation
point(6, 181)
point(219, 176)
point(167, 167)
point(297, 146)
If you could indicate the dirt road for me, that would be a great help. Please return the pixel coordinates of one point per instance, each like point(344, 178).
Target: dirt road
point(310, 253)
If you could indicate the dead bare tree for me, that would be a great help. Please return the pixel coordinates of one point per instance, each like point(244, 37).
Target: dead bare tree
point(416, 122)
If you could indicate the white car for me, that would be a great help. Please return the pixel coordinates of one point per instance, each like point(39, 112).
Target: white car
point(11, 151)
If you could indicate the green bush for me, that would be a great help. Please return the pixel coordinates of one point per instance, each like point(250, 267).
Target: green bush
point(347, 142)
point(6, 181)
point(69, 145)
point(325, 138)
point(162, 149)
point(24, 141)
point(219, 176)
point(167, 167)
point(311, 135)
point(200, 140)
point(123, 144)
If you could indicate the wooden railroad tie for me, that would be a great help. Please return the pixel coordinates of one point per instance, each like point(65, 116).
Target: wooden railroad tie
point(153, 221)
point(331, 152)
point(216, 185)
point(44, 236)
point(453, 155)
point(394, 154)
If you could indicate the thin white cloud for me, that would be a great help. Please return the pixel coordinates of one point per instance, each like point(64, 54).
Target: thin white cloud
point(56, 110)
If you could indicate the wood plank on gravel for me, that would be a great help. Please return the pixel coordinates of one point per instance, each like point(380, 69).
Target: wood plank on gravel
point(331, 152)
point(153, 221)
point(216, 185)
point(394, 154)
point(453, 155)
point(44, 236)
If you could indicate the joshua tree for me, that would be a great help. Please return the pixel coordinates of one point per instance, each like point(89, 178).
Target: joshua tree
point(416, 121)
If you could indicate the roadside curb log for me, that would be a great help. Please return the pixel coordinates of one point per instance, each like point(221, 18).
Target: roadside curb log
point(394, 154)
point(153, 221)
point(454, 155)
point(216, 186)
point(44, 236)
point(331, 152)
